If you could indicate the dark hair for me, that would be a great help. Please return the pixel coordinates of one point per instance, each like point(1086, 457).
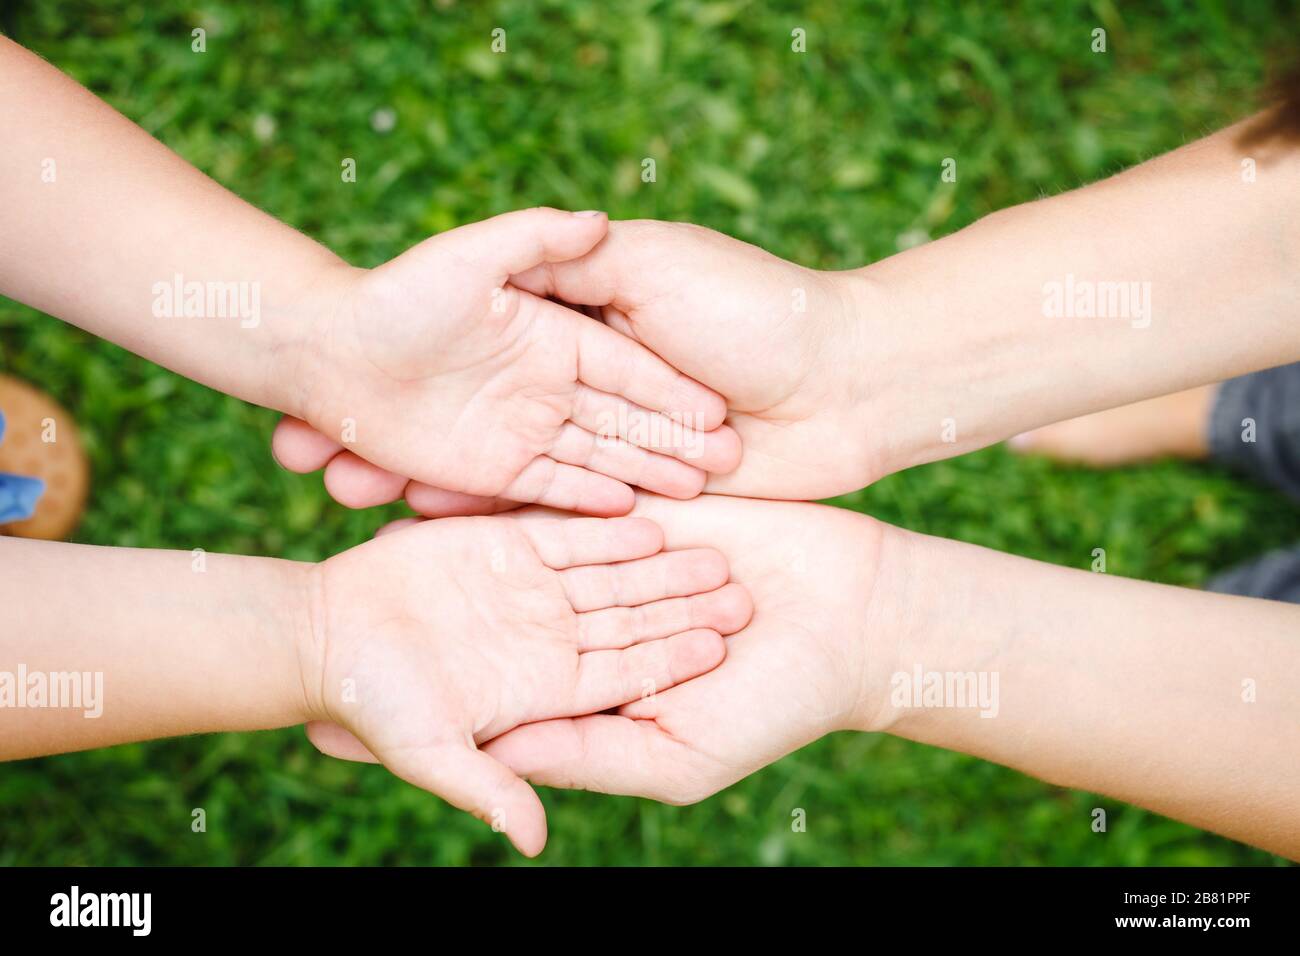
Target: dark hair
point(1282, 120)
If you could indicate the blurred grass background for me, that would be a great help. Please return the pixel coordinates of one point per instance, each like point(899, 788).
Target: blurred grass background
point(830, 158)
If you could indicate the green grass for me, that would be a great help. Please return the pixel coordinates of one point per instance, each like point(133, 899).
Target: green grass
point(830, 158)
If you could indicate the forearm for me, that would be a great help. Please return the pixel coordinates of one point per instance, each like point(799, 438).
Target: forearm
point(1181, 701)
point(1176, 273)
point(107, 645)
point(103, 225)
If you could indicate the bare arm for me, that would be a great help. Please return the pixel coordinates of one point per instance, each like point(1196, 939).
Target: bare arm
point(106, 645)
point(1184, 702)
point(433, 366)
point(1179, 272)
point(103, 225)
point(1181, 701)
point(421, 642)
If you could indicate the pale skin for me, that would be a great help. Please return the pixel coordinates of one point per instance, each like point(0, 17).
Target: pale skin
point(860, 384)
point(945, 348)
point(422, 644)
point(1121, 687)
point(853, 382)
point(1170, 426)
point(433, 365)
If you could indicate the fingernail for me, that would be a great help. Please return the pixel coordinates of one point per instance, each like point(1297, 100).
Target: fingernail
point(590, 213)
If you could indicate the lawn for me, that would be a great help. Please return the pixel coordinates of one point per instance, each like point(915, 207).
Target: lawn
point(830, 157)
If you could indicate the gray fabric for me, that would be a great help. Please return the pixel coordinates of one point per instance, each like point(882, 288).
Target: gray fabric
point(1271, 399)
point(1275, 576)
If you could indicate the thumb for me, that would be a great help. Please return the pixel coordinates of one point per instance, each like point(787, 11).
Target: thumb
point(518, 241)
point(604, 753)
point(470, 780)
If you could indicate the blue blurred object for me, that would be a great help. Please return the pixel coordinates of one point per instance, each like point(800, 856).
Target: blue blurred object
point(18, 493)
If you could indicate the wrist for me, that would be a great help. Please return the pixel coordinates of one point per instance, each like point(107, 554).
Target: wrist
point(305, 334)
point(922, 600)
point(882, 629)
point(309, 637)
point(950, 359)
point(875, 346)
point(938, 664)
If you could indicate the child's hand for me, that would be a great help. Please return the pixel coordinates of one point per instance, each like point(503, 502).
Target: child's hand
point(437, 637)
point(434, 366)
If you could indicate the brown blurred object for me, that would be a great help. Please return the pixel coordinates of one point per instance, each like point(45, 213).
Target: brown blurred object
point(61, 463)
point(1282, 121)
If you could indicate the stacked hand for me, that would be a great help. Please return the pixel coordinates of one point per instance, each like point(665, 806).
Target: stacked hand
point(815, 658)
point(437, 367)
point(433, 640)
point(785, 347)
point(553, 359)
point(781, 344)
point(829, 384)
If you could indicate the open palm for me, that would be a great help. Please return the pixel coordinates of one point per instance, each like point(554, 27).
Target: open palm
point(440, 637)
point(805, 665)
point(778, 341)
point(435, 367)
